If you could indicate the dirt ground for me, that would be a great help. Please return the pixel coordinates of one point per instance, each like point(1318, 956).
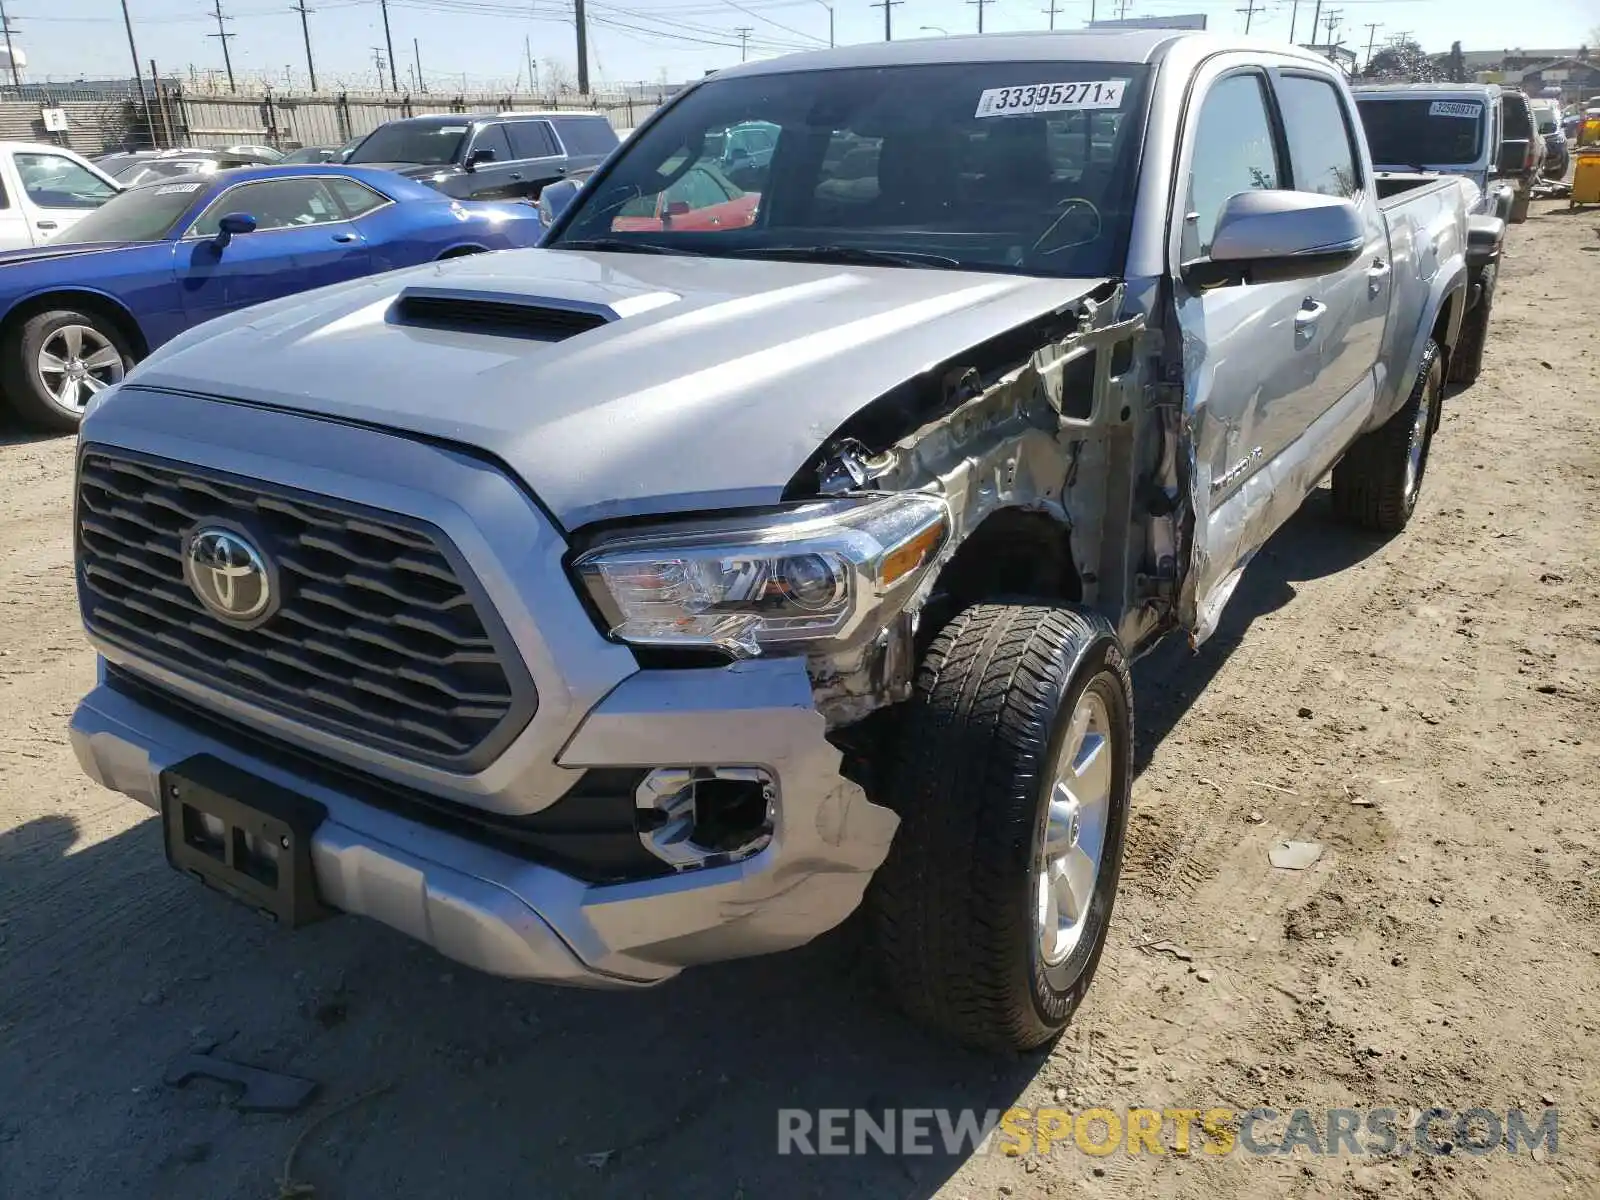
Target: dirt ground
point(1425, 708)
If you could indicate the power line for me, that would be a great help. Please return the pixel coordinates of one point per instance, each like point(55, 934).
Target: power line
point(777, 24)
point(305, 28)
point(222, 35)
point(886, 5)
point(980, 5)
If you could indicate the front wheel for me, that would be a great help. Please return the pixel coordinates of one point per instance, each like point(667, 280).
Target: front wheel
point(56, 361)
point(1012, 782)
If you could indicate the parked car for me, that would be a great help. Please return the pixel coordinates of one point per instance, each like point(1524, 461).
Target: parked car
point(75, 314)
point(1557, 158)
point(254, 153)
point(652, 599)
point(499, 156)
point(1454, 129)
point(45, 189)
point(701, 198)
point(312, 154)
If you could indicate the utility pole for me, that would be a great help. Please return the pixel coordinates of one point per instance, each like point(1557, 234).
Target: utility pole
point(533, 72)
point(394, 80)
point(1051, 12)
point(378, 61)
point(11, 54)
point(1316, 21)
point(886, 5)
point(980, 7)
point(1372, 34)
point(829, 7)
point(222, 35)
point(416, 53)
point(1333, 22)
point(744, 32)
point(1249, 14)
point(305, 29)
point(1122, 9)
point(583, 47)
point(1294, 19)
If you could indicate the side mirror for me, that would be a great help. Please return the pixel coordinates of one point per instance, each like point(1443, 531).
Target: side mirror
point(556, 198)
point(231, 225)
point(1273, 236)
point(1513, 156)
point(478, 157)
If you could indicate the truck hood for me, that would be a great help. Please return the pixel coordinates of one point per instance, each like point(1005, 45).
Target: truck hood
point(709, 385)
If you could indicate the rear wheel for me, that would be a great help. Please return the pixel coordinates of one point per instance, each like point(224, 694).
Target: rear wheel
point(1012, 785)
point(1377, 482)
point(56, 361)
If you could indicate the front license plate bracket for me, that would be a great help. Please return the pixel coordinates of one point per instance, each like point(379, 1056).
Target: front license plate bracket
point(243, 836)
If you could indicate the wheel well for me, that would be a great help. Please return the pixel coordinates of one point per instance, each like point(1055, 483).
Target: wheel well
point(1014, 552)
point(1441, 325)
point(84, 302)
point(461, 252)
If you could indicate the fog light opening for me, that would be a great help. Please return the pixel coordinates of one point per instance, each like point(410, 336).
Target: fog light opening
point(706, 816)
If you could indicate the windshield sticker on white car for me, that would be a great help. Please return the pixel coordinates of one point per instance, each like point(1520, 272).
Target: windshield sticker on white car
point(1455, 108)
point(174, 188)
point(1050, 97)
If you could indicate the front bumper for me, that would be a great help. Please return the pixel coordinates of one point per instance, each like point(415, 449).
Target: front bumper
point(506, 915)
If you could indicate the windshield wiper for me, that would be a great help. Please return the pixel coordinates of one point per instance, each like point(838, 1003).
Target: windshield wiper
point(621, 244)
point(849, 254)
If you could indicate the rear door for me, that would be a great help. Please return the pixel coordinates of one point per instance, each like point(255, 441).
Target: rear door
point(539, 155)
point(302, 240)
point(1251, 356)
point(1345, 309)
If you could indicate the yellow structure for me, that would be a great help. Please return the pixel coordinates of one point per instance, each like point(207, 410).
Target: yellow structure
point(1586, 176)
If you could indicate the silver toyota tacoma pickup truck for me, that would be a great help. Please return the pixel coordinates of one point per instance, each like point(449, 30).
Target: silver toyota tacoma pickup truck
point(752, 554)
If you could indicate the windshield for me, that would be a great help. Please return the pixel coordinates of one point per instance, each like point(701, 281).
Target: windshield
point(146, 214)
point(407, 142)
point(1011, 166)
point(166, 168)
point(1423, 133)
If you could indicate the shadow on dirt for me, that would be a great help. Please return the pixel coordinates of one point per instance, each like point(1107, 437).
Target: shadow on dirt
point(113, 966)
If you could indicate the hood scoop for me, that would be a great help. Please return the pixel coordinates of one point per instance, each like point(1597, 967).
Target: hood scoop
point(541, 318)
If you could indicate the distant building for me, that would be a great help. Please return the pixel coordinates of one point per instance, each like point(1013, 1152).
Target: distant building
point(1574, 70)
point(1340, 56)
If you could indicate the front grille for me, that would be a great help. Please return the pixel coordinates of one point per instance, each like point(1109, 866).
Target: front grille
point(378, 635)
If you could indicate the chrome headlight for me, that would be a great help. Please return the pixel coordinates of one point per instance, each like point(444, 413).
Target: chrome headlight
point(818, 573)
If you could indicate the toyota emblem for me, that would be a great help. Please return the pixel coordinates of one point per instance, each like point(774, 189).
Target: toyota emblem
point(229, 575)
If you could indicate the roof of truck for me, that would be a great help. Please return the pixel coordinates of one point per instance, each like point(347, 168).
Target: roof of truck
point(1081, 45)
point(1486, 91)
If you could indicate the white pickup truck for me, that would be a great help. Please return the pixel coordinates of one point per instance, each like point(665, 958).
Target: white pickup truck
point(44, 189)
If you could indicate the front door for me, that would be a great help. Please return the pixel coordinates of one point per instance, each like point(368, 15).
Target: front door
point(57, 192)
point(302, 240)
point(1252, 353)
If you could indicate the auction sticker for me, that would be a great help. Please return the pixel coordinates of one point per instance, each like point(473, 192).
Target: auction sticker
point(1452, 108)
point(1050, 97)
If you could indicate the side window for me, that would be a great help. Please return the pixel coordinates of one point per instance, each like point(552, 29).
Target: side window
point(356, 198)
point(1321, 157)
point(587, 135)
point(274, 203)
point(55, 181)
point(493, 138)
point(1234, 152)
point(531, 139)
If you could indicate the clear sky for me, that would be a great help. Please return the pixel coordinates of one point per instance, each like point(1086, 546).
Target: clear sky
point(647, 40)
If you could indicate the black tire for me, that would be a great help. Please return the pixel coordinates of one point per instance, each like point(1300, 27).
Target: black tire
point(953, 909)
point(25, 387)
point(1466, 360)
point(1372, 486)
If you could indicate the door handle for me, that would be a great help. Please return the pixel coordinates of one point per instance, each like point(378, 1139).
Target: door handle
point(344, 237)
point(1310, 313)
point(1378, 270)
point(46, 225)
point(516, 174)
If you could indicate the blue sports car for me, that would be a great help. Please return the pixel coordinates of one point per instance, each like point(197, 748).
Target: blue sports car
point(76, 313)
